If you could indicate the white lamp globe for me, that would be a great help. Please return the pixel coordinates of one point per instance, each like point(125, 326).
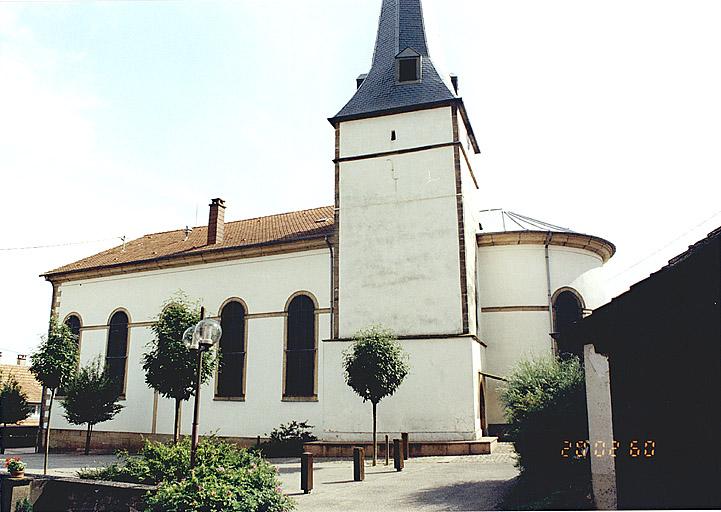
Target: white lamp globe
point(207, 333)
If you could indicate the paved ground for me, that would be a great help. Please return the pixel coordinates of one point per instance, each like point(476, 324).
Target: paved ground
point(474, 482)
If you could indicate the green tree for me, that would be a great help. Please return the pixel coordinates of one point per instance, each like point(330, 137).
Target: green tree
point(14, 406)
point(375, 366)
point(91, 397)
point(169, 365)
point(53, 364)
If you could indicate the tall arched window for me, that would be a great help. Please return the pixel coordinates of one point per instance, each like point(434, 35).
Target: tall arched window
point(74, 323)
point(567, 310)
point(232, 352)
point(300, 350)
point(116, 354)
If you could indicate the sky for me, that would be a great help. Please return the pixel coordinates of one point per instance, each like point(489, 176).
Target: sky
point(120, 118)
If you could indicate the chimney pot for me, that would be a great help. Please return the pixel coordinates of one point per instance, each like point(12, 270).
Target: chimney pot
point(216, 222)
point(21, 359)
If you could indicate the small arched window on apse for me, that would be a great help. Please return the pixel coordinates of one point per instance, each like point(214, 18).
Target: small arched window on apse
point(230, 382)
point(300, 349)
point(116, 354)
point(567, 310)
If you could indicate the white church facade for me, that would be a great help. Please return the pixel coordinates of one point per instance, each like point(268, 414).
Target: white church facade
point(403, 246)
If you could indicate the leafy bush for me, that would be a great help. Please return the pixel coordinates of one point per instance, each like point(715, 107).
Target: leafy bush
point(24, 505)
point(545, 404)
point(288, 439)
point(225, 478)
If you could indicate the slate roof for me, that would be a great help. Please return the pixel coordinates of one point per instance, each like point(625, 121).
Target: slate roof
point(26, 380)
point(285, 227)
point(400, 27)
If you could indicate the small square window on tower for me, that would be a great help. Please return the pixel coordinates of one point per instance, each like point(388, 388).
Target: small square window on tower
point(408, 66)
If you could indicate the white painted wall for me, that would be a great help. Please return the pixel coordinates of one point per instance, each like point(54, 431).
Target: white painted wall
point(399, 255)
point(435, 402)
point(515, 275)
point(265, 284)
point(600, 428)
point(413, 129)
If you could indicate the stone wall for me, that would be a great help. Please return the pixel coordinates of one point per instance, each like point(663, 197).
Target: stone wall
point(64, 440)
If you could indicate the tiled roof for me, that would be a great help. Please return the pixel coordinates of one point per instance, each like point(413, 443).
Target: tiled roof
point(400, 27)
point(273, 229)
point(26, 380)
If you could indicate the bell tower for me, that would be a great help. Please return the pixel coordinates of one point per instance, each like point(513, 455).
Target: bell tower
point(405, 254)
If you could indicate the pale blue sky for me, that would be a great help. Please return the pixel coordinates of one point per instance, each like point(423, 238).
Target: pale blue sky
point(120, 118)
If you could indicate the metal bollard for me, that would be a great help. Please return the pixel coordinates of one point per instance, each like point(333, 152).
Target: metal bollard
point(406, 451)
point(398, 454)
point(257, 441)
point(359, 467)
point(388, 449)
point(306, 472)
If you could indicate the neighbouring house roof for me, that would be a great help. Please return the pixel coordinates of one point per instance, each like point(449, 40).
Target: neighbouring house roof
point(172, 246)
point(26, 380)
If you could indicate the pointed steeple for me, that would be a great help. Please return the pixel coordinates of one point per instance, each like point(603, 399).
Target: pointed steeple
point(402, 75)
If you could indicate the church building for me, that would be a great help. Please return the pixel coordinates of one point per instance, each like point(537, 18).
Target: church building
point(403, 245)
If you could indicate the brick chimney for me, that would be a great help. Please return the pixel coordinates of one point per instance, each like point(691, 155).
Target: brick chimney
point(216, 222)
point(21, 359)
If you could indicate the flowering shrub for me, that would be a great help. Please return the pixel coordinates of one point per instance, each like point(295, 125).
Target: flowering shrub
point(14, 464)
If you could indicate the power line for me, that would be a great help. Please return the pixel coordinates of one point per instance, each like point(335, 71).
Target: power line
point(67, 244)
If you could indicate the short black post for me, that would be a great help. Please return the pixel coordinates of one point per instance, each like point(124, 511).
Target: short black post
point(388, 449)
point(306, 472)
point(406, 451)
point(398, 454)
point(257, 442)
point(359, 466)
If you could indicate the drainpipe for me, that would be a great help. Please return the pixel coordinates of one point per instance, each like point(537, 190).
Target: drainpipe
point(332, 286)
point(548, 283)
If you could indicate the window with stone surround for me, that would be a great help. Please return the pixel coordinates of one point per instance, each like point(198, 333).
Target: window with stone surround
point(116, 354)
point(231, 368)
point(300, 349)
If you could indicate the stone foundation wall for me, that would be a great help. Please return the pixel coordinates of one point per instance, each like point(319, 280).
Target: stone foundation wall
point(65, 440)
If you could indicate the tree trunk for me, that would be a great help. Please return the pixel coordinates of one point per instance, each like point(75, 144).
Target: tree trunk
point(375, 441)
point(2, 439)
point(46, 443)
point(176, 424)
point(87, 439)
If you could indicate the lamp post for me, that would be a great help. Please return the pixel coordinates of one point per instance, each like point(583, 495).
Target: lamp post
point(200, 337)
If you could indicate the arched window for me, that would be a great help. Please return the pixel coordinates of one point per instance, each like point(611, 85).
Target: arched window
point(74, 323)
point(300, 349)
point(116, 354)
point(567, 310)
point(231, 370)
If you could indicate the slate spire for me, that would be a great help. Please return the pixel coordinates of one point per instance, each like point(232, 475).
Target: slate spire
point(400, 28)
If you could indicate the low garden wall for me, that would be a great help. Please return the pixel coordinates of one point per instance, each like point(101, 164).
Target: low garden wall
point(66, 440)
point(56, 494)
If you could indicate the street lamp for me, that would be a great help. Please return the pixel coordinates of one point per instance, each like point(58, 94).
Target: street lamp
point(200, 337)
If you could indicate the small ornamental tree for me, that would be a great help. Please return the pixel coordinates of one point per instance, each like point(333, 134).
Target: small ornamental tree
point(53, 364)
point(91, 397)
point(169, 365)
point(14, 406)
point(375, 365)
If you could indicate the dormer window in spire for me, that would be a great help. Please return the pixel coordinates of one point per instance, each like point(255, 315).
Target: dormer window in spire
point(408, 67)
